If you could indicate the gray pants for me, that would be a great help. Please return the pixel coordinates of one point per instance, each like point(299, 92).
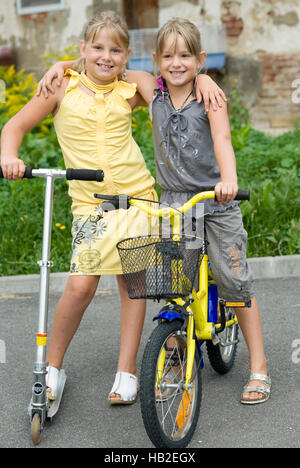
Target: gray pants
point(227, 254)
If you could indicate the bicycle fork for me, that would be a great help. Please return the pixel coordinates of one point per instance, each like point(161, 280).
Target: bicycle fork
point(191, 349)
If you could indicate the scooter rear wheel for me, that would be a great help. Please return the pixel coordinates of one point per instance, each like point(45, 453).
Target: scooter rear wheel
point(221, 357)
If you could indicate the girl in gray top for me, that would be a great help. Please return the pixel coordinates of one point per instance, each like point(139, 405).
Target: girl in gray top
point(193, 150)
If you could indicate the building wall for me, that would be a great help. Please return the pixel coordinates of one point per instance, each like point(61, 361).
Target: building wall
point(30, 36)
point(263, 52)
point(262, 44)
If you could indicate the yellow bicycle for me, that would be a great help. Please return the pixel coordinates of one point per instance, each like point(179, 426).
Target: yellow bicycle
point(170, 268)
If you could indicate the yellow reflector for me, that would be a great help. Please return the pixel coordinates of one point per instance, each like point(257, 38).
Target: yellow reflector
point(235, 304)
point(41, 339)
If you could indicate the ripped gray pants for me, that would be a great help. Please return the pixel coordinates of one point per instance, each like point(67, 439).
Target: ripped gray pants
point(227, 254)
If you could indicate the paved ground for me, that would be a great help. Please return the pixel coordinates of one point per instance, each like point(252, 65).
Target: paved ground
point(85, 418)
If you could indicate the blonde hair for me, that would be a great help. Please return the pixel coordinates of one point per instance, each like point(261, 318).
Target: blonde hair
point(110, 21)
point(184, 28)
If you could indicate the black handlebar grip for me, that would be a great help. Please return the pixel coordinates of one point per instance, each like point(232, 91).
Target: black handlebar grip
point(243, 195)
point(85, 174)
point(105, 197)
point(27, 174)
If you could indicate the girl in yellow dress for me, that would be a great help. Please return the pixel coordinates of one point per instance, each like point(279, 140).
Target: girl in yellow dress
point(92, 118)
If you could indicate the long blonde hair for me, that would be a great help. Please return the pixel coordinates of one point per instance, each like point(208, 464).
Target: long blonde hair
point(110, 21)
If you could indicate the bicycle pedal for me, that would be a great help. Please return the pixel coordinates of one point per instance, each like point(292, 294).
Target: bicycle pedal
point(237, 304)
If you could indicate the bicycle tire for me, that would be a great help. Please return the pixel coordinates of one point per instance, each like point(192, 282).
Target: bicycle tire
point(222, 359)
point(152, 406)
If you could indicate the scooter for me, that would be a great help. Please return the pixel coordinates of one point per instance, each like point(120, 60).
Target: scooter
point(41, 409)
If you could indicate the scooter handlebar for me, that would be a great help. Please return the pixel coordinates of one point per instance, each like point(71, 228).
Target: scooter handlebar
point(85, 174)
point(27, 175)
point(71, 174)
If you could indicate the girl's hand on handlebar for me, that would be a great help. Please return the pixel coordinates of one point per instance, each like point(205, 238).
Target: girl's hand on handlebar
point(12, 168)
point(226, 191)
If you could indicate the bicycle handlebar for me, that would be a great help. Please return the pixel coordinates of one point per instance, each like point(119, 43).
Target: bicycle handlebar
point(241, 195)
point(124, 201)
point(69, 174)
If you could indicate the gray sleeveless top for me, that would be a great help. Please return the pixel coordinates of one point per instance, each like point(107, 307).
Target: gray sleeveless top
point(184, 152)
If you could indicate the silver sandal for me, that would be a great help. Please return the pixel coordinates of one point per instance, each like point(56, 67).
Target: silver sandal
point(266, 391)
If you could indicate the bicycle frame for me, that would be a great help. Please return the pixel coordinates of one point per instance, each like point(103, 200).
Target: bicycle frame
point(202, 307)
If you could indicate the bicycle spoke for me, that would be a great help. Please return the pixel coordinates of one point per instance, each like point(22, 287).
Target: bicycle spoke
point(174, 408)
point(173, 411)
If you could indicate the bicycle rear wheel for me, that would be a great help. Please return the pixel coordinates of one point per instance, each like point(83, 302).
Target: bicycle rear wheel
point(222, 355)
point(170, 413)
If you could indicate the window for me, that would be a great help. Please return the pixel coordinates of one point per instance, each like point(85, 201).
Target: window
point(25, 7)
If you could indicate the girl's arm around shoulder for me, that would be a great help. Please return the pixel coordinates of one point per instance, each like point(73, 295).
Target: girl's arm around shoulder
point(227, 188)
point(57, 71)
point(18, 126)
point(210, 92)
point(146, 84)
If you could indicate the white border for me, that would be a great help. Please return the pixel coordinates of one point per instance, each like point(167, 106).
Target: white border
point(39, 9)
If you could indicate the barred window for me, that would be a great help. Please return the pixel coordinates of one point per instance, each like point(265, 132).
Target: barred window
point(25, 7)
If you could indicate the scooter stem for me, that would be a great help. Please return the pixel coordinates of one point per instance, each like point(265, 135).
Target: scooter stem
point(39, 391)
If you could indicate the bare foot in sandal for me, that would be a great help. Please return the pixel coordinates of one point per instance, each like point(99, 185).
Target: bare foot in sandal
point(258, 389)
point(52, 379)
point(124, 390)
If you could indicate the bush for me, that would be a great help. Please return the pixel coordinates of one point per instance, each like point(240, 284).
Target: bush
point(268, 166)
point(21, 202)
point(19, 89)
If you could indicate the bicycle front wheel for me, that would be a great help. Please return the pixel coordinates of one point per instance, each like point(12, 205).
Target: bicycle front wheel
point(170, 413)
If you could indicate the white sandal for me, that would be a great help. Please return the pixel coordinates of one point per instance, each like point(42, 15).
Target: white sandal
point(125, 385)
point(52, 379)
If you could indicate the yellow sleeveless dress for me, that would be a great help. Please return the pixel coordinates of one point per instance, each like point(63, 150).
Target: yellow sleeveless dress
point(94, 132)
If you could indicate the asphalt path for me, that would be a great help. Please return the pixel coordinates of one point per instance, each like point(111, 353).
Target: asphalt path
point(85, 419)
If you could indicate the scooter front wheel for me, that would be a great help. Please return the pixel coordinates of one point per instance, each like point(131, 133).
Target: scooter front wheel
point(35, 430)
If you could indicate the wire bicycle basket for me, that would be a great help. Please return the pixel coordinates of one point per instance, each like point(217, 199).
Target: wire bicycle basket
point(156, 267)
